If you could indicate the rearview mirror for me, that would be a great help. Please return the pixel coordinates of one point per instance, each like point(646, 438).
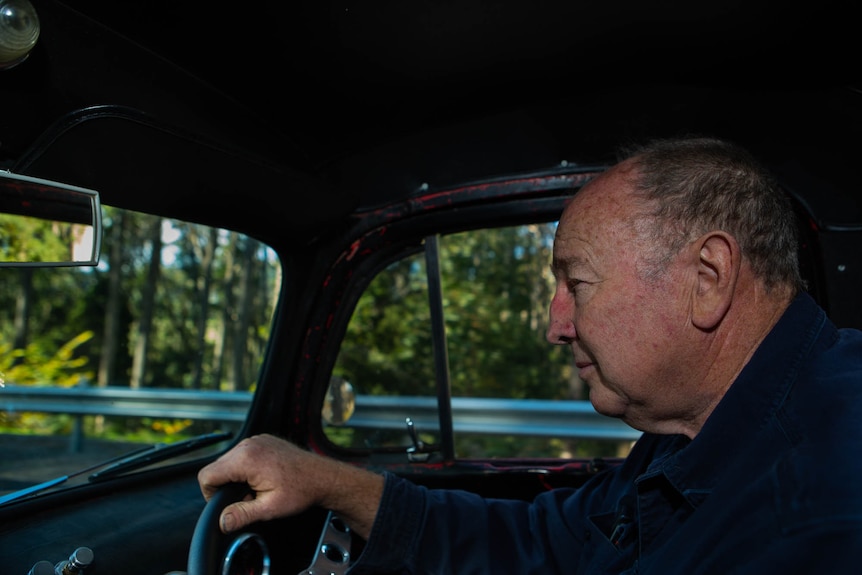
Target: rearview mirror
point(44, 223)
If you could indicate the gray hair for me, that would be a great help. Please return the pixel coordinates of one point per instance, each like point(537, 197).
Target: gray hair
point(695, 185)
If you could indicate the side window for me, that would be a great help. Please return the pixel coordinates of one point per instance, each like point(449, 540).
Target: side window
point(512, 393)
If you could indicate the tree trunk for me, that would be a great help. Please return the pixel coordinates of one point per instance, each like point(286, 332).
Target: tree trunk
point(111, 337)
point(220, 344)
point(145, 322)
point(205, 284)
point(245, 300)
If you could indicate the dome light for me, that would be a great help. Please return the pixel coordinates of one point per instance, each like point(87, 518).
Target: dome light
point(19, 31)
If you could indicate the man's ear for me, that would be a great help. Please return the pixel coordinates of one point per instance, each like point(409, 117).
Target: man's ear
point(718, 270)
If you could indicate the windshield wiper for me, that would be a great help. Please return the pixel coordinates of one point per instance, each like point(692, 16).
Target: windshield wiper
point(158, 452)
point(126, 462)
point(33, 489)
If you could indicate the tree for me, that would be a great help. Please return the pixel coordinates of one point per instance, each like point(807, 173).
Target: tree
point(239, 376)
point(111, 333)
point(145, 320)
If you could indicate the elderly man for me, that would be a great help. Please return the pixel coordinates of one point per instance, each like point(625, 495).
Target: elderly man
point(679, 294)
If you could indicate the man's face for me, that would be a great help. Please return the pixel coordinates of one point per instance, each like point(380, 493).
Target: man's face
point(627, 333)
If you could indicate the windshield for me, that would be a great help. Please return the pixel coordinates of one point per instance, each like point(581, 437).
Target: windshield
point(159, 343)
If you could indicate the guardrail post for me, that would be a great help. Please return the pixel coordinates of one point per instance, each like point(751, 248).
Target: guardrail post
point(76, 439)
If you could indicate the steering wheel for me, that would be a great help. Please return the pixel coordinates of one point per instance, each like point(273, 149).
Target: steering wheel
point(209, 544)
point(211, 552)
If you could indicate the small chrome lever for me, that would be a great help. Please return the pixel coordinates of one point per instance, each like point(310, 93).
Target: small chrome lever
point(417, 451)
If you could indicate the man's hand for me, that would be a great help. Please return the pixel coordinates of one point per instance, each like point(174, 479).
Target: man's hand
point(287, 480)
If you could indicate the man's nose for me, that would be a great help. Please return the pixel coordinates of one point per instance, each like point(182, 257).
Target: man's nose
point(561, 328)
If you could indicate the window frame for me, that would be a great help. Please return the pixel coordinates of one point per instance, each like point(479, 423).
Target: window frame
point(382, 237)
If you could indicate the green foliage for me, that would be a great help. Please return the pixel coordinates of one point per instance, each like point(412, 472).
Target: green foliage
point(204, 304)
point(496, 286)
point(58, 325)
point(387, 348)
point(139, 429)
point(24, 239)
point(40, 365)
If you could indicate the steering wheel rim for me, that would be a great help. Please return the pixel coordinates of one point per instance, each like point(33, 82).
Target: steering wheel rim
point(209, 546)
point(208, 542)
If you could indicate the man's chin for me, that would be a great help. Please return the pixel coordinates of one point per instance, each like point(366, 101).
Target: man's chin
point(607, 403)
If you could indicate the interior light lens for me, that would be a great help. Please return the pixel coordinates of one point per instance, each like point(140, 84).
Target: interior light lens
point(19, 31)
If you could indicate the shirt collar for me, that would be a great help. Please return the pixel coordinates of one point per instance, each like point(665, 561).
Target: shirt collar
point(750, 402)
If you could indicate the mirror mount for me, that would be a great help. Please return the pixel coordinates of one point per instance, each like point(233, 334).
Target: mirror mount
point(48, 224)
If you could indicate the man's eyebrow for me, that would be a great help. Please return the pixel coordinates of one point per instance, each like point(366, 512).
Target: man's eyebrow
point(565, 266)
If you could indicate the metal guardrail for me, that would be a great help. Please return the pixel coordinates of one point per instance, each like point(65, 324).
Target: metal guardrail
point(492, 416)
point(125, 401)
point(526, 417)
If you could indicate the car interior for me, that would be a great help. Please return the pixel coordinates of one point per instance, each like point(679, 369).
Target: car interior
point(333, 222)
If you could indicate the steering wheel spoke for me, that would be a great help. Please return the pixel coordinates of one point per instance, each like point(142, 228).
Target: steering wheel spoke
point(332, 556)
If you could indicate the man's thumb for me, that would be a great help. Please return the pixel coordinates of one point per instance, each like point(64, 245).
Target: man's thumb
point(237, 515)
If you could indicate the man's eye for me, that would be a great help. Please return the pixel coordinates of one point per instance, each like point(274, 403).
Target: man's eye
point(573, 284)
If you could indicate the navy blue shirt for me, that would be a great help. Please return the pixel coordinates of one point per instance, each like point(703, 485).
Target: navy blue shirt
point(771, 484)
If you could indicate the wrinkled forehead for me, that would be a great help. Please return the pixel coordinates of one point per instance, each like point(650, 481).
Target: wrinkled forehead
point(605, 225)
point(608, 197)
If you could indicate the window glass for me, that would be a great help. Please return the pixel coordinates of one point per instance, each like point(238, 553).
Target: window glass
point(387, 360)
point(161, 342)
point(513, 393)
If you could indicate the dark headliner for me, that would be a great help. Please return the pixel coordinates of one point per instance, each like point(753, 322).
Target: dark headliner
point(313, 109)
